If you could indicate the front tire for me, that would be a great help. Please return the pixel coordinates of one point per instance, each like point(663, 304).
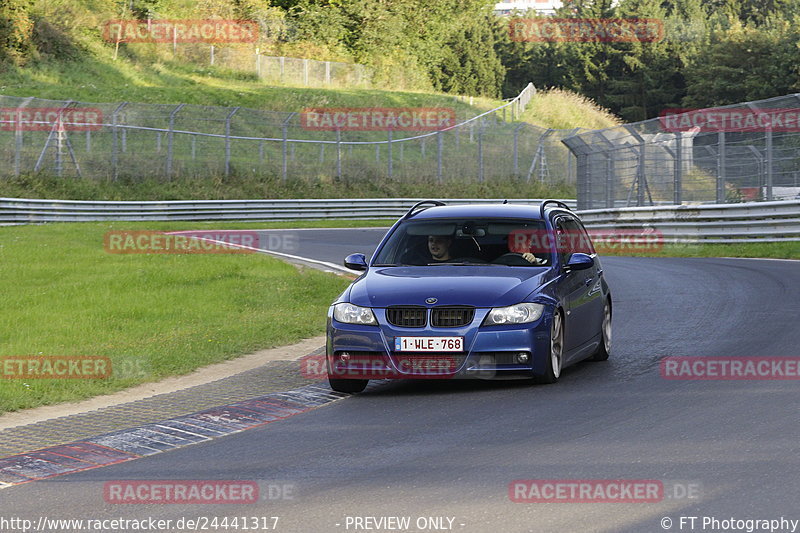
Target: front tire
point(348, 385)
point(604, 350)
point(555, 358)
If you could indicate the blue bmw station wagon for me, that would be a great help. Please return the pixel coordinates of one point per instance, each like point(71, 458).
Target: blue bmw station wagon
point(472, 291)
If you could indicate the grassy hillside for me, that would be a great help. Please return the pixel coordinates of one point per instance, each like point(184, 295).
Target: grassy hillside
point(73, 62)
point(559, 109)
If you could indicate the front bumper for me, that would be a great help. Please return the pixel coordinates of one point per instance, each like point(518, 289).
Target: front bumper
point(367, 352)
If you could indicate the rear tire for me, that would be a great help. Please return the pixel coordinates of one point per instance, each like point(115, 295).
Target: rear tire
point(555, 357)
point(348, 385)
point(604, 350)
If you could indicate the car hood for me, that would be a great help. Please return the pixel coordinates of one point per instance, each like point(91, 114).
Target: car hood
point(489, 286)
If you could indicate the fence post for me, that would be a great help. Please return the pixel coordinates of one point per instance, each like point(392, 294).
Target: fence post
point(640, 175)
point(768, 149)
point(169, 139)
point(114, 151)
point(305, 72)
point(339, 154)
point(678, 184)
point(194, 147)
point(17, 144)
point(721, 168)
point(327, 72)
point(389, 153)
point(516, 149)
point(212, 54)
point(610, 179)
point(228, 141)
point(480, 152)
point(282, 61)
point(439, 147)
point(285, 130)
point(258, 64)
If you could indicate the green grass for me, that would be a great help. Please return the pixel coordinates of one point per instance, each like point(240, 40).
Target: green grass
point(153, 315)
point(219, 188)
point(560, 109)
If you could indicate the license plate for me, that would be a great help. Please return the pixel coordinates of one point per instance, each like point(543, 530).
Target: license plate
point(429, 344)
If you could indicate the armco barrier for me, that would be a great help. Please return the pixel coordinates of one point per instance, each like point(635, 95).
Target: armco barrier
point(715, 223)
point(25, 211)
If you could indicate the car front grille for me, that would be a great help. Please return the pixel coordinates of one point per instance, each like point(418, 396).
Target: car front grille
point(406, 317)
point(452, 317)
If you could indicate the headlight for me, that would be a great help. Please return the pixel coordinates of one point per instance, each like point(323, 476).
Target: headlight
point(514, 314)
point(353, 314)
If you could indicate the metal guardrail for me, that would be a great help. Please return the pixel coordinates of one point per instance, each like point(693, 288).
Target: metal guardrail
point(27, 211)
point(748, 222)
point(687, 224)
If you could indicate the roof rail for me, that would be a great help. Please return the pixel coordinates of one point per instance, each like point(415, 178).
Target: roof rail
point(559, 203)
point(417, 206)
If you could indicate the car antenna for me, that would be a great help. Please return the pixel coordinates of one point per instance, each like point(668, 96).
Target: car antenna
point(505, 201)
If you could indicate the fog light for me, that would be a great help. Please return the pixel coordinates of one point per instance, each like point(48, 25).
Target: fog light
point(522, 357)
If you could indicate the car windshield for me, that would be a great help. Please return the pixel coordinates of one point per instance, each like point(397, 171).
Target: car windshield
point(491, 241)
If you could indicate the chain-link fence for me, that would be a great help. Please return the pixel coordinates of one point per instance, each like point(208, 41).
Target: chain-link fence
point(279, 70)
point(114, 140)
point(742, 152)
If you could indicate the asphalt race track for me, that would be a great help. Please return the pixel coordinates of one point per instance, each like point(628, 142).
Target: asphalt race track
point(444, 453)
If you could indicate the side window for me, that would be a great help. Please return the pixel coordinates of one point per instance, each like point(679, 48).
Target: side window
point(562, 240)
point(580, 241)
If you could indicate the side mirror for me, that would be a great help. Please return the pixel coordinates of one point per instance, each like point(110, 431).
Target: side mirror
point(579, 261)
point(356, 262)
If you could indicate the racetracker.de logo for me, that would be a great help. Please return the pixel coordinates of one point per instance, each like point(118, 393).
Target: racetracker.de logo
point(55, 367)
point(209, 31)
point(545, 241)
point(198, 242)
point(46, 118)
point(181, 492)
point(586, 491)
point(730, 120)
point(549, 30)
point(377, 118)
point(730, 368)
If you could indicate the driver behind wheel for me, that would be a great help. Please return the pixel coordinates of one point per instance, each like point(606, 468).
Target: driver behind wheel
point(439, 247)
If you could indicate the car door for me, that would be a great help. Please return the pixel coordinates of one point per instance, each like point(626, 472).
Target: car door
point(571, 287)
point(586, 300)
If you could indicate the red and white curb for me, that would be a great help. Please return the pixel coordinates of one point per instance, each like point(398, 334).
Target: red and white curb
point(150, 439)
